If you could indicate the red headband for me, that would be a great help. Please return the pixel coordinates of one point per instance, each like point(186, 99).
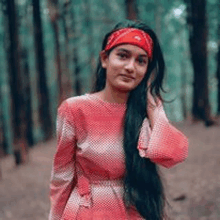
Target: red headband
point(133, 36)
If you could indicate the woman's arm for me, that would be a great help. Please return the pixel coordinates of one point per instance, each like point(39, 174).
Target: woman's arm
point(160, 141)
point(63, 170)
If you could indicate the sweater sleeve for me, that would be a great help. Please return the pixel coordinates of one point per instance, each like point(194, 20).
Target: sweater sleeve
point(164, 144)
point(63, 169)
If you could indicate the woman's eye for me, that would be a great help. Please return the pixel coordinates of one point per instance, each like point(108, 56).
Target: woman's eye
point(122, 55)
point(142, 61)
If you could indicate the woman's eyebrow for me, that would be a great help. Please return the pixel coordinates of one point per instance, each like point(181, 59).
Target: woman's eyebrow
point(128, 51)
point(124, 50)
point(143, 55)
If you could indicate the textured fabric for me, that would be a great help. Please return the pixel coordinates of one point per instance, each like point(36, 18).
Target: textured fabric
point(131, 36)
point(89, 164)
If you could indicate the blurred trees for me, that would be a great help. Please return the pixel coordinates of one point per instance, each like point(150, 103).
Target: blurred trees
point(218, 61)
point(67, 15)
point(17, 85)
point(43, 96)
point(198, 36)
point(54, 16)
point(131, 9)
point(50, 48)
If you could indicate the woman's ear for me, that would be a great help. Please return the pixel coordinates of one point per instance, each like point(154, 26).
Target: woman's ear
point(104, 59)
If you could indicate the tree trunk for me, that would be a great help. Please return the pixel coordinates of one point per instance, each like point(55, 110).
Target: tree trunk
point(54, 15)
point(27, 97)
point(183, 86)
point(90, 38)
point(218, 62)
point(77, 69)
point(131, 9)
point(44, 104)
point(66, 79)
point(89, 24)
point(2, 153)
point(17, 100)
point(198, 32)
point(157, 17)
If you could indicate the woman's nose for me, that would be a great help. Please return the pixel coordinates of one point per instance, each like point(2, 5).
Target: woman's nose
point(130, 65)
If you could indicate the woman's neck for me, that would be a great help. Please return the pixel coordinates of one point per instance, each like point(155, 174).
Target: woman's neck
point(113, 96)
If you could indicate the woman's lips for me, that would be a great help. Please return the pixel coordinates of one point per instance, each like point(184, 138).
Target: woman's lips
point(127, 76)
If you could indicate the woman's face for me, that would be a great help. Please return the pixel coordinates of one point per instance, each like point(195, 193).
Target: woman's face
point(125, 66)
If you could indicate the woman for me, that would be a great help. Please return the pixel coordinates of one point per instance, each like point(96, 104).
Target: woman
point(110, 141)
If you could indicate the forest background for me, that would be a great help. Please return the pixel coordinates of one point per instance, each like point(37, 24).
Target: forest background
point(49, 51)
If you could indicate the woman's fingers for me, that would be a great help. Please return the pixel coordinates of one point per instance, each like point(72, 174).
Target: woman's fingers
point(151, 101)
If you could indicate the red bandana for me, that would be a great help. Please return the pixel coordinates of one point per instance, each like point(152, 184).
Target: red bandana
point(132, 36)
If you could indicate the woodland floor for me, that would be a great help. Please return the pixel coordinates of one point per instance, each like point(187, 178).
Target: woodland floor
point(192, 188)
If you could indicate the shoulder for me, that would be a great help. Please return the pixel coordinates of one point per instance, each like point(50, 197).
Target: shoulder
point(70, 107)
point(76, 100)
point(75, 103)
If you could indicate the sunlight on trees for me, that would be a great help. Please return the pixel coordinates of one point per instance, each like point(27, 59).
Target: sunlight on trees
point(179, 11)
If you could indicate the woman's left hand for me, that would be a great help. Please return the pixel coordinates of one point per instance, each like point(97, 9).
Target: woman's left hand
point(151, 108)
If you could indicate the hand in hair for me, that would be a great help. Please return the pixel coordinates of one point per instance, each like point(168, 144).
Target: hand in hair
point(152, 104)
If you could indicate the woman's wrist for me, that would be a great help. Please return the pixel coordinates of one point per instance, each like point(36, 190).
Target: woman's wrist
point(151, 116)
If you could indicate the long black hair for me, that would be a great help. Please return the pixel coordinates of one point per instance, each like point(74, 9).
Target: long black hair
point(142, 182)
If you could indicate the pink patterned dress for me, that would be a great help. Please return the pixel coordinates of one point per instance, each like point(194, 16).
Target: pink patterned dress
point(89, 164)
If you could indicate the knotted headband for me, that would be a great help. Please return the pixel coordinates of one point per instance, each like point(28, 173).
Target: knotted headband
point(132, 36)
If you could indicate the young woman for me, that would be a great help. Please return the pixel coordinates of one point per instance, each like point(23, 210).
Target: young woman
point(111, 140)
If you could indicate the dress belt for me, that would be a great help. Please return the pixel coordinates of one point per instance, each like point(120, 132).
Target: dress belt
point(109, 182)
point(84, 187)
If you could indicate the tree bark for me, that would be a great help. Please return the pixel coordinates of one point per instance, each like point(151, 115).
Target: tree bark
point(77, 69)
point(66, 79)
point(27, 97)
point(218, 62)
point(54, 16)
point(198, 32)
point(183, 86)
point(17, 100)
point(2, 140)
point(89, 24)
point(157, 17)
point(1, 145)
point(131, 9)
point(44, 104)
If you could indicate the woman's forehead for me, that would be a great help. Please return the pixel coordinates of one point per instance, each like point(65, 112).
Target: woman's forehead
point(131, 49)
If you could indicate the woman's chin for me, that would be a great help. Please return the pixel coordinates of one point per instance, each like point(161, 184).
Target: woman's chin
point(125, 87)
